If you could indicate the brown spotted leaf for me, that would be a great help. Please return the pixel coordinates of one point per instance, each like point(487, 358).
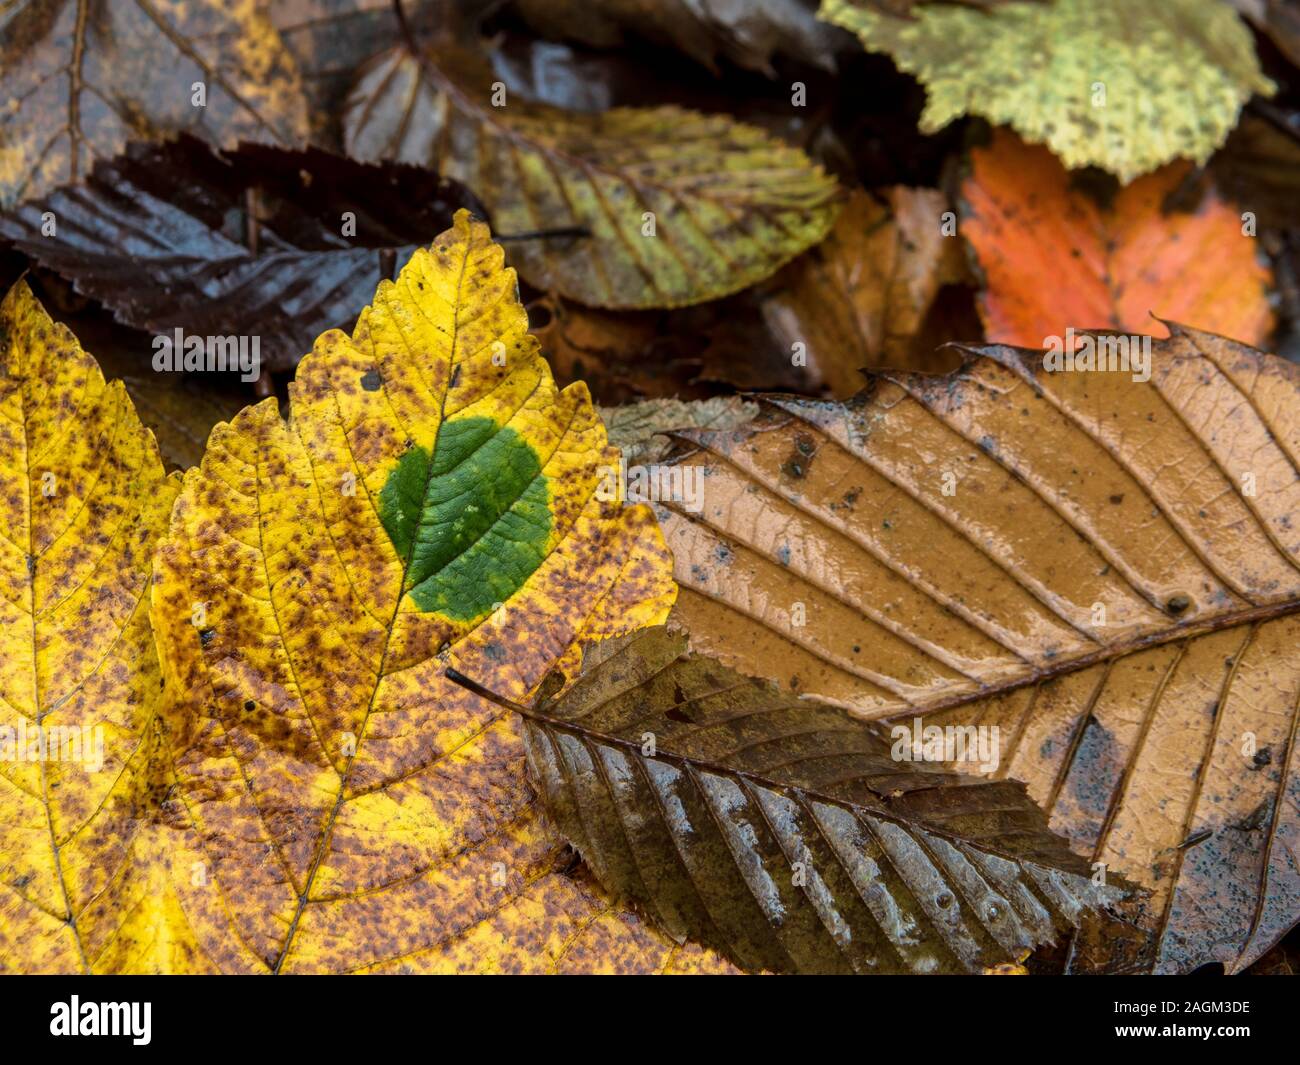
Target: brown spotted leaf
point(787, 835)
point(180, 409)
point(80, 78)
point(84, 498)
point(431, 501)
point(1108, 568)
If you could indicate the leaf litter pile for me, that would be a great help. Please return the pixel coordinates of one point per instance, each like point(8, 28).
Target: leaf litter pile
point(561, 487)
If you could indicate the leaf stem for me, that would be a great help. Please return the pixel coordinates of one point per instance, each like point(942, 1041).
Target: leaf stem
point(457, 677)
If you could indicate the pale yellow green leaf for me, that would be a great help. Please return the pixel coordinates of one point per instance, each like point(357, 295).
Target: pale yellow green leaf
point(1111, 83)
point(662, 206)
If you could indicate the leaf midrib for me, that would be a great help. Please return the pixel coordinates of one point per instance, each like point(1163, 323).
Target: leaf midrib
point(327, 832)
point(690, 762)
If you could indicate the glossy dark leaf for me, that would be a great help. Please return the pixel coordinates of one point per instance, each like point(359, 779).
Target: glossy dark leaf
point(749, 33)
point(783, 833)
point(330, 39)
point(164, 237)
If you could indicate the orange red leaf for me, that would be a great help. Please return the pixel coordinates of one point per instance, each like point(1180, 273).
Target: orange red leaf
point(1053, 257)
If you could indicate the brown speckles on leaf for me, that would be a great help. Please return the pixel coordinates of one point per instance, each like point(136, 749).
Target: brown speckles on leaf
point(383, 818)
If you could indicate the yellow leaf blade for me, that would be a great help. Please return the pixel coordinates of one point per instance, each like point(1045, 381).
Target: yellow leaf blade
point(431, 501)
point(83, 498)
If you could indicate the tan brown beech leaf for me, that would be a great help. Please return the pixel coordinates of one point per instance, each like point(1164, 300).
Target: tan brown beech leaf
point(1107, 568)
point(1177, 766)
point(783, 833)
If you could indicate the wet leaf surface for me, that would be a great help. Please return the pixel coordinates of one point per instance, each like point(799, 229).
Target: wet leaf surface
point(280, 245)
point(955, 517)
point(1178, 766)
point(787, 835)
point(1107, 570)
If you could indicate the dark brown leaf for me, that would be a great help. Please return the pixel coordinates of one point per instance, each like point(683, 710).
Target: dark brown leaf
point(783, 833)
point(163, 237)
point(746, 32)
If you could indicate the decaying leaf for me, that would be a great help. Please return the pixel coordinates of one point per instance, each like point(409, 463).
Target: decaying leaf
point(639, 430)
point(85, 498)
point(622, 356)
point(1124, 86)
point(80, 80)
point(1260, 169)
point(430, 502)
point(746, 32)
point(1282, 960)
point(695, 352)
point(1280, 19)
point(782, 832)
point(164, 237)
point(330, 39)
point(859, 297)
point(1053, 258)
point(1109, 569)
point(679, 207)
point(1176, 765)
